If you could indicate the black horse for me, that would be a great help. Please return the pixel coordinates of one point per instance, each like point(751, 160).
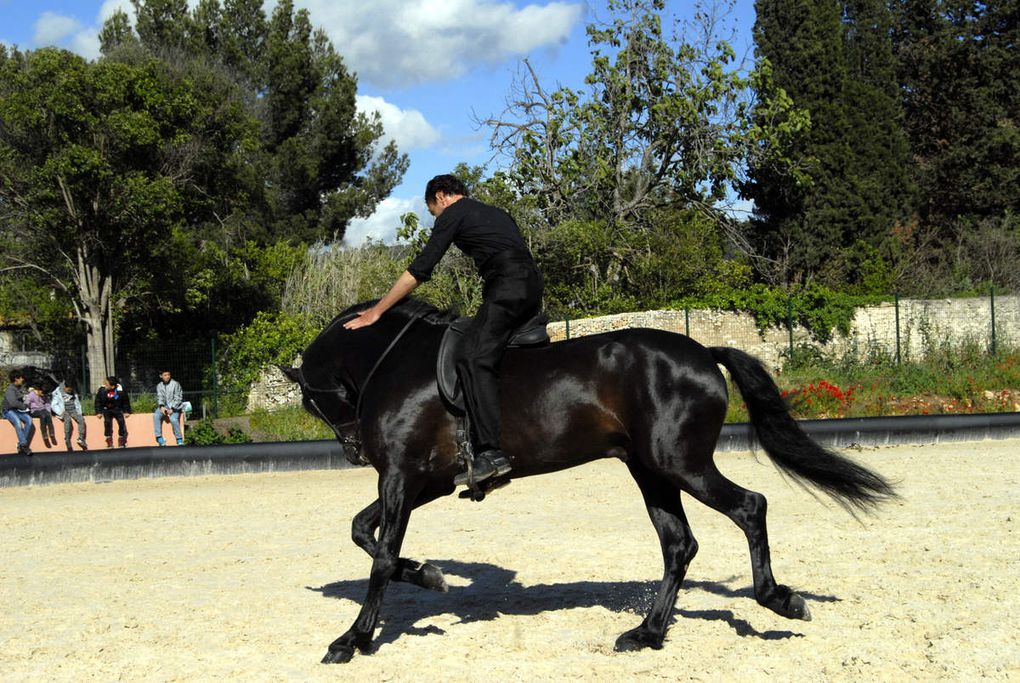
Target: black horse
point(656, 400)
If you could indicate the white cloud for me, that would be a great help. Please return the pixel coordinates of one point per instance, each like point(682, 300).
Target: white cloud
point(402, 42)
point(64, 31)
point(52, 28)
point(407, 127)
point(383, 224)
point(110, 6)
point(388, 42)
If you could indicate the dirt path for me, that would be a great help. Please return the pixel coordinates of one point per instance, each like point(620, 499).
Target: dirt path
point(250, 577)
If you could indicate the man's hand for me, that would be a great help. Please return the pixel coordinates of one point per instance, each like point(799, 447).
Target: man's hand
point(404, 285)
point(364, 319)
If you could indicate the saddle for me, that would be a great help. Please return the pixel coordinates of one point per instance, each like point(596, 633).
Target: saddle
point(530, 334)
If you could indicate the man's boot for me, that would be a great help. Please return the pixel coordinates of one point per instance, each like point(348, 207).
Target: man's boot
point(46, 439)
point(160, 441)
point(491, 463)
point(109, 442)
point(84, 446)
point(122, 442)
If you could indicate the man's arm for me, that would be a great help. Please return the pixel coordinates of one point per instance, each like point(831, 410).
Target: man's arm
point(176, 397)
point(404, 285)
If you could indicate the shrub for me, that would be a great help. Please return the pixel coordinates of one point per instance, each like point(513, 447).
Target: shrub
point(271, 338)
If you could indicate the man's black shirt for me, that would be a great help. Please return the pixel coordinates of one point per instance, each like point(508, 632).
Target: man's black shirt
point(478, 230)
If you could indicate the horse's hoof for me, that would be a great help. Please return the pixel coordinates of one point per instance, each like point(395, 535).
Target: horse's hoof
point(797, 608)
point(340, 655)
point(432, 578)
point(786, 603)
point(637, 639)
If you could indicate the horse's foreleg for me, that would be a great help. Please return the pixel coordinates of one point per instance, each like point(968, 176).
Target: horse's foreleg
point(395, 504)
point(662, 500)
point(747, 510)
point(409, 571)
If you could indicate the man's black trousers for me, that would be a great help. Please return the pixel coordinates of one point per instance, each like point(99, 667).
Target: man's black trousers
point(512, 295)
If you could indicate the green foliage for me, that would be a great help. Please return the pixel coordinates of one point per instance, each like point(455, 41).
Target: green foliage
point(203, 433)
point(317, 162)
point(289, 424)
point(99, 162)
point(959, 72)
point(820, 310)
point(835, 61)
point(144, 403)
point(271, 338)
point(660, 123)
point(960, 379)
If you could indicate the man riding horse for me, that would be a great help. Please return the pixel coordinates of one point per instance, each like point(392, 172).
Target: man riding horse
point(511, 295)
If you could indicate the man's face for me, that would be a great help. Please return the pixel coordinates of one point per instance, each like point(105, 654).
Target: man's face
point(165, 376)
point(18, 381)
point(437, 205)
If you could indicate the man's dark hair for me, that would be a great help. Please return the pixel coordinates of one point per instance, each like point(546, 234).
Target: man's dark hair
point(15, 374)
point(446, 184)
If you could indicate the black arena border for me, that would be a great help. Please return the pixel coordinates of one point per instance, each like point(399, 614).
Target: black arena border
point(183, 461)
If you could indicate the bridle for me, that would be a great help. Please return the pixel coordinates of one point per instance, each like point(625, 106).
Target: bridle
point(349, 433)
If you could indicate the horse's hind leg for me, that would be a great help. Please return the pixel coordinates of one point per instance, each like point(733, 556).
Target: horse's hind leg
point(662, 500)
point(409, 571)
point(747, 510)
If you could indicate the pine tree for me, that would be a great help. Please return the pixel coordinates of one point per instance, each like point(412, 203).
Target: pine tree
point(835, 60)
point(319, 164)
point(960, 71)
point(803, 41)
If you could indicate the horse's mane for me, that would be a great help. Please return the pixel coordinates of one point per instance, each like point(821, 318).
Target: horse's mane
point(405, 308)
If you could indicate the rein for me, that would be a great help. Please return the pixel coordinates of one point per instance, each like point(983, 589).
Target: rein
point(368, 378)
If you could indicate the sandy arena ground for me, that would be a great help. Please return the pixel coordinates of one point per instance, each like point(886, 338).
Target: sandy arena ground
point(250, 577)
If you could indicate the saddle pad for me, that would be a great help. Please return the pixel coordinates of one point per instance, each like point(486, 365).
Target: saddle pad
point(531, 333)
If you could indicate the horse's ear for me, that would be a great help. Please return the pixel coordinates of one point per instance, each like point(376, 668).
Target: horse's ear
point(293, 374)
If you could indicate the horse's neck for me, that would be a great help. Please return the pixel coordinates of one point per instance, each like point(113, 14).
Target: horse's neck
point(364, 357)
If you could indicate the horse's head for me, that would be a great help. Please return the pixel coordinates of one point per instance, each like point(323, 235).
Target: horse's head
point(331, 402)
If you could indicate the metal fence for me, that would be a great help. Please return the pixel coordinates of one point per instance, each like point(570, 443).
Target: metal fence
point(895, 331)
point(899, 330)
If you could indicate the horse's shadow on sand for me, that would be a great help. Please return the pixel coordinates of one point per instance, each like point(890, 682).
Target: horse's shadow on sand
point(493, 591)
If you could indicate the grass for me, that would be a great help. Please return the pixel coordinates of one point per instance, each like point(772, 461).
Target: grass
point(288, 424)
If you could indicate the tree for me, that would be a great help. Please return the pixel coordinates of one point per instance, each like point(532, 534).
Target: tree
point(960, 75)
point(319, 162)
point(834, 60)
point(96, 162)
point(662, 124)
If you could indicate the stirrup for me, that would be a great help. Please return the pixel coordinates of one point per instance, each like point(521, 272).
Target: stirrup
point(491, 463)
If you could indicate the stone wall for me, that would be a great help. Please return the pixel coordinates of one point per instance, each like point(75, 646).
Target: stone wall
point(273, 391)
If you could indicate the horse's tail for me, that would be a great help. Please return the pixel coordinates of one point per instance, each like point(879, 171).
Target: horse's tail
point(796, 453)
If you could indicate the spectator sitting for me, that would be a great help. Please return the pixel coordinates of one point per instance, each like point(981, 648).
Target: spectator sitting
point(16, 412)
point(67, 407)
point(113, 403)
point(39, 407)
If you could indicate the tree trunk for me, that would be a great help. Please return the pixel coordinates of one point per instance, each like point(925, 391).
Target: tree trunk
point(97, 314)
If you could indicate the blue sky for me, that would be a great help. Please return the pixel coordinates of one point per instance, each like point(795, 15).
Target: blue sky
point(428, 66)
